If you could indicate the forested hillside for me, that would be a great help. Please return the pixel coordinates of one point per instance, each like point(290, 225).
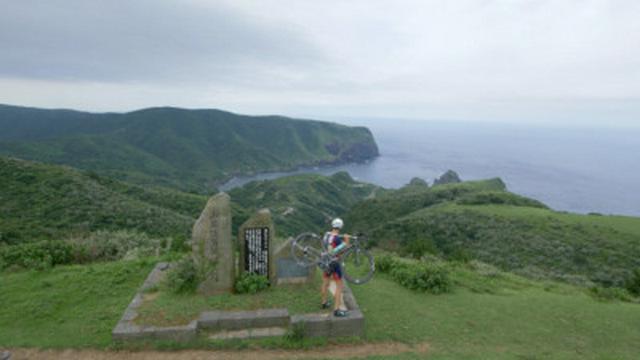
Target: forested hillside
point(460, 221)
point(304, 202)
point(52, 202)
point(188, 149)
point(42, 202)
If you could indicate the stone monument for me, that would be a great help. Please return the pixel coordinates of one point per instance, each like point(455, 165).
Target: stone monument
point(212, 246)
point(287, 269)
point(256, 240)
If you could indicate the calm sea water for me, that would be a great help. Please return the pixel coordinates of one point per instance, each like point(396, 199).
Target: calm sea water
point(573, 169)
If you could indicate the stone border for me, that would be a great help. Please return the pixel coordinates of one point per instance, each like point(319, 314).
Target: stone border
point(127, 329)
point(238, 320)
point(242, 322)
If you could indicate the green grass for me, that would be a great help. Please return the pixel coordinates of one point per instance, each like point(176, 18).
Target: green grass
point(616, 223)
point(164, 308)
point(490, 314)
point(521, 320)
point(68, 306)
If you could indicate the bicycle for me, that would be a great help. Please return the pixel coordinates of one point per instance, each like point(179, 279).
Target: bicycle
point(357, 263)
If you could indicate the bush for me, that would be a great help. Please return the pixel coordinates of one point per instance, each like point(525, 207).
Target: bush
point(250, 283)
point(419, 276)
point(633, 283)
point(483, 269)
point(419, 247)
point(384, 263)
point(122, 244)
point(610, 293)
point(98, 246)
point(500, 198)
point(38, 255)
point(460, 255)
point(422, 277)
point(183, 277)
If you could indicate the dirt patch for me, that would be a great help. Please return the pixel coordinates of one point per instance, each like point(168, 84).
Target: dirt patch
point(333, 352)
point(150, 296)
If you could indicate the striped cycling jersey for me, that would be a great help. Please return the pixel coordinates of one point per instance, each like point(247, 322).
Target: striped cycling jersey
point(332, 241)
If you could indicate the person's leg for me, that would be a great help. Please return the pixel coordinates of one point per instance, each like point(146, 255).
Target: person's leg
point(338, 294)
point(325, 287)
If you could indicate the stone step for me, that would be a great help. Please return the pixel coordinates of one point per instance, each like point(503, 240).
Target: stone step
point(242, 320)
point(252, 333)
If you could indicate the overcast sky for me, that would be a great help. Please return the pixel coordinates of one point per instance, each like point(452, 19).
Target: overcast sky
point(515, 61)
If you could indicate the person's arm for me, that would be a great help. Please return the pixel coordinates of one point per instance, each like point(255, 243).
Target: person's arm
point(344, 242)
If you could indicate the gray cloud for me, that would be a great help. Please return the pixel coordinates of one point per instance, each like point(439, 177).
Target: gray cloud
point(538, 60)
point(143, 40)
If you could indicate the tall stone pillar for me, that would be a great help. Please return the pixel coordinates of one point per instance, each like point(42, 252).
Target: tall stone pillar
point(212, 246)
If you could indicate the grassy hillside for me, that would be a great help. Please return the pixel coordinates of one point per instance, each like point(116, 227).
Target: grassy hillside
point(512, 318)
point(482, 220)
point(488, 315)
point(467, 220)
point(40, 201)
point(486, 312)
point(303, 202)
point(68, 306)
point(188, 149)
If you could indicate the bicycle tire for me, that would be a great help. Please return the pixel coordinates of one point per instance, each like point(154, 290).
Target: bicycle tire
point(306, 249)
point(358, 266)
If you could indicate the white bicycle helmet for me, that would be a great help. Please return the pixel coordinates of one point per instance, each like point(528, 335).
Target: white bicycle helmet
point(337, 223)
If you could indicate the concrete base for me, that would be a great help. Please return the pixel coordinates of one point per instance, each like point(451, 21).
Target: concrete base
point(236, 320)
point(249, 333)
point(238, 324)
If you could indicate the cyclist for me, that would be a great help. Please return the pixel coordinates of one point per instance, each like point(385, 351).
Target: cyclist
point(333, 242)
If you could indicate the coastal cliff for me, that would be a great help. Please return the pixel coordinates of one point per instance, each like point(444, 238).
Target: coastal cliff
point(192, 150)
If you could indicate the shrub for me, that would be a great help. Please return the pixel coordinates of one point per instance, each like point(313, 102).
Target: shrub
point(633, 282)
point(122, 244)
point(500, 198)
point(484, 269)
point(419, 276)
point(38, 255)
point(384, 263)
point(461, 255)
point(183, 277)
point(98, 246)
point(422, 277)
point(417, 248)
point(609, 293)
point(251, 283)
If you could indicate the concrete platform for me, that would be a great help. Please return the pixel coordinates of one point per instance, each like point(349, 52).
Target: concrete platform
point(237, 324)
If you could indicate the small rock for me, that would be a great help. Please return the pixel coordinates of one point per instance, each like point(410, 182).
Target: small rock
point(5, 355)
point(416, 181)
point(449, 177)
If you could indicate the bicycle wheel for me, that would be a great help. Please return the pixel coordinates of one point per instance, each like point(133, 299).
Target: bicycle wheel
point(306, 249)
point(358, 266)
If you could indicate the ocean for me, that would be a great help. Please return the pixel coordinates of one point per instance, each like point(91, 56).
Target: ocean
point(576, 169)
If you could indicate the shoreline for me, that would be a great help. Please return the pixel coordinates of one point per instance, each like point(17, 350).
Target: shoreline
point(243, 178)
